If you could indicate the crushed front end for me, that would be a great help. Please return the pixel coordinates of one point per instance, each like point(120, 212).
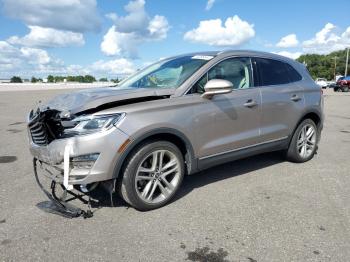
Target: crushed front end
point(73, 152)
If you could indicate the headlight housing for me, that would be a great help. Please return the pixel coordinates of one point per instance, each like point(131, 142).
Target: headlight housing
point(89, 124)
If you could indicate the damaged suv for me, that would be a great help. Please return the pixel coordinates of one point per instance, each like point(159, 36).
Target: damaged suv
point(174, 118)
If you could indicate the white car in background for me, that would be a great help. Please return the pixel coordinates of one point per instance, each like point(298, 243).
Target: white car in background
point(322, 82)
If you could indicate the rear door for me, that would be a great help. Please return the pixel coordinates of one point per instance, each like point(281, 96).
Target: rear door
point(282, 98)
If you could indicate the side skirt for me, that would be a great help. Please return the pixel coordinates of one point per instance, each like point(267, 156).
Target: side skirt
point(210, 161)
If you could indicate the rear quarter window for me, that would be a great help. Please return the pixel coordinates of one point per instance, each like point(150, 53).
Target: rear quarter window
point(293, 74)
point(273, 72)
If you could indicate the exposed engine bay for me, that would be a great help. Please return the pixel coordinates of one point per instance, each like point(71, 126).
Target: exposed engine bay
point(50, 124)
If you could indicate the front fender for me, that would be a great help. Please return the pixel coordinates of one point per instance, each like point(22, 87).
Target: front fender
point(191, 160)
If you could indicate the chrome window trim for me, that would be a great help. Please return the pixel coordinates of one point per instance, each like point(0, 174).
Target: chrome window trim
point(282, 61)
point(251, 57)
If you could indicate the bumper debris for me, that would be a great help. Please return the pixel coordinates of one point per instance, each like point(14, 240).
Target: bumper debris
point(60, 205)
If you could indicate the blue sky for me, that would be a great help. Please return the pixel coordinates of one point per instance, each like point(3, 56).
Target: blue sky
point(115, 37)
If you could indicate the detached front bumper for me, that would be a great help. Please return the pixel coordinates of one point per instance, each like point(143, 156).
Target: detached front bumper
point(81, 159)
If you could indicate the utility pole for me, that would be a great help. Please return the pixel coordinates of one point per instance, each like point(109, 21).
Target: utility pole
point(347, 61)
point(335, 67)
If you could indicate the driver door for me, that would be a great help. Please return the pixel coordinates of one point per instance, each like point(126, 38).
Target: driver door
point(227, 122)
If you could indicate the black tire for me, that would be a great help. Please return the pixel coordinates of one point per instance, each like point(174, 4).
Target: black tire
point(292, 152)
point(127, 187)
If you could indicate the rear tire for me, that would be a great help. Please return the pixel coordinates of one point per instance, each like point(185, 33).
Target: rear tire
point(303, 145)
point(152, 175)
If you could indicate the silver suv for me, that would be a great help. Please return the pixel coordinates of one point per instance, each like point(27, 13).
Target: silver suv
point(174, 118)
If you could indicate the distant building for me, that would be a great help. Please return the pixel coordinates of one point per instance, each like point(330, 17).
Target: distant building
point(5, 80)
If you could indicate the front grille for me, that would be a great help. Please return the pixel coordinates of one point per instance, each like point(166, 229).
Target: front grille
point(38, 133)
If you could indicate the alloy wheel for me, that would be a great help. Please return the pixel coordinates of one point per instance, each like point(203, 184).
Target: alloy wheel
point(306, 141)
point(157, 176)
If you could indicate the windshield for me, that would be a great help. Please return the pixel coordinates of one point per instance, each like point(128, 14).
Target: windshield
point(166, 73)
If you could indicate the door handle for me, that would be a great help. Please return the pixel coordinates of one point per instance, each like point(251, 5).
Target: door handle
point(295, 98)
point(250, 103)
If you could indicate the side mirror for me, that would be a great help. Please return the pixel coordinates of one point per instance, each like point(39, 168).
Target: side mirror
point(217, 87)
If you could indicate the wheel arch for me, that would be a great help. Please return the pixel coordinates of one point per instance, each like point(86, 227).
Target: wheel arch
point(166, 134)
point(314, 116)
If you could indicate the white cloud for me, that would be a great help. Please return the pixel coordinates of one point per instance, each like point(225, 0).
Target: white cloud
point(76, 70)
point(25, 54)
point(70, 15)
point(288, 41)
point(9, 57)
point(292, 55)
point(235, 32)
point(109, 68)
point(111, 42)
point(135, 21)
point(210, 4)
point(35, 55)
point(117, 43)
point(327, 40)
point(158, 27)
point(120, 66)
point(26, 61)
point(132, 30)
point(48, 37)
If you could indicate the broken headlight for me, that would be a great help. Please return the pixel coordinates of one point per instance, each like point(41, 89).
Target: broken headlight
point(88, 124)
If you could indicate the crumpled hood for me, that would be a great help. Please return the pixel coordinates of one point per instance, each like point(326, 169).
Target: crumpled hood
point(83, 100)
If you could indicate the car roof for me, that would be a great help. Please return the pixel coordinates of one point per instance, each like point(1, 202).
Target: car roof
point(239, 52)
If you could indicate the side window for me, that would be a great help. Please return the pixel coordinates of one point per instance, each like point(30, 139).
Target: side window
point(272, 72)
point(294, 76)
point(236, 70)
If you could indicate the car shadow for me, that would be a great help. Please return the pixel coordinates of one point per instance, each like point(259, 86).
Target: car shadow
point(203, 178)
point(228, 170)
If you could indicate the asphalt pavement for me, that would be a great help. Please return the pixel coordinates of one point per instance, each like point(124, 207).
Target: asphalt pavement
point(257, 209)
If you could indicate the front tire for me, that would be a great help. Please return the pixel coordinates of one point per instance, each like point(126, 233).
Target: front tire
point(152, 175)
point(303, 145)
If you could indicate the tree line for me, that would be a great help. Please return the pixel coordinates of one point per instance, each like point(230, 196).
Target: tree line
point(80, 79)
point(58, 79)
point(325, 66)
